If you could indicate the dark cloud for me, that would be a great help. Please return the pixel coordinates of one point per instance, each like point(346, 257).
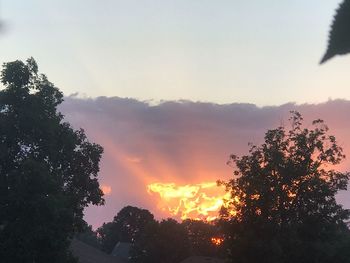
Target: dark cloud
point(182, 141)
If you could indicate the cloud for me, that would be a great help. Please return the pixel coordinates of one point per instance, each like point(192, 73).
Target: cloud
point(197, 201)
point(106, 189)
point(181, 142)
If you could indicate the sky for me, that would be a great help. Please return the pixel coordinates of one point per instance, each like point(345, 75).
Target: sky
point(185, 143)
point(171, 88)
point(201, 50)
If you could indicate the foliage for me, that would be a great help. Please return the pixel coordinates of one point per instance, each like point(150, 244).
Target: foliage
point(200, 235)
point(125, 227)
point(89, 236)
point(339, 35)
point(153, 241)
point(48, 171)
point(164, 242)
point(284, 198)
point(107, 236)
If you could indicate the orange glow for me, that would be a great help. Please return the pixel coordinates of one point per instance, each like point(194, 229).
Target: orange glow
point(197, 201)
point(217, 241)
point(106, 189)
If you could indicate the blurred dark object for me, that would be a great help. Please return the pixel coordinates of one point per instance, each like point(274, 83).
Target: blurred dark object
point(339, 35)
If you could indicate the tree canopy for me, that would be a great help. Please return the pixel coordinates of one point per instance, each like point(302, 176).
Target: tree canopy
point(126, 226)
point(283, 206)
point(200, 237)
point(48, 171)
point(165, 241)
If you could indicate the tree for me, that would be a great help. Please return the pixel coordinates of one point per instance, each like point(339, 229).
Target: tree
point(200, 236)
point(125, 227)
point(48, 171)
point(163, 242)
point(108, 236)
point(283, 206)
point(89, 236)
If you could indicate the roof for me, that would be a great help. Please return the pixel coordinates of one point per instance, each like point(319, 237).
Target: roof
point(89, 254)
point(121, 250)
point(199, 259)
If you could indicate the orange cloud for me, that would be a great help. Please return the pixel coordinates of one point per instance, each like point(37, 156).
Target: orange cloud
point(106, 189)
point(197, 201)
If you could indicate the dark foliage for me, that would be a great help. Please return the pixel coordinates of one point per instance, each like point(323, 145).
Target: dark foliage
point(163, 242)
point(339, 35)
point(285, 206)
point(125, 227)
point(89, 236)
point(48, 171)
point(200, 235)
point(166, 241)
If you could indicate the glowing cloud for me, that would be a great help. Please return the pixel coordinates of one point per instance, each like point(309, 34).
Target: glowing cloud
point(197, 201)
point(106, 189)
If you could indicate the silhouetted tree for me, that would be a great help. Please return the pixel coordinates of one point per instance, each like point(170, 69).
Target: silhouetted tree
point(200, 234)
point(108, 236)
point(89, 236)
point(125, 227)
point(163, 242)
point(48, 171)
point(339, 35)
point(283, 206)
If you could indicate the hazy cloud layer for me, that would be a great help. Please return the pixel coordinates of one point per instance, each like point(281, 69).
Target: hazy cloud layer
point(182, 142)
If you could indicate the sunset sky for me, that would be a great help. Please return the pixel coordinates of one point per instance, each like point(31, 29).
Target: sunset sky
point(181, 142)
point(224, 71)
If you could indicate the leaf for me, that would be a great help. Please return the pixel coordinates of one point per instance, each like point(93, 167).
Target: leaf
point(339, 35)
